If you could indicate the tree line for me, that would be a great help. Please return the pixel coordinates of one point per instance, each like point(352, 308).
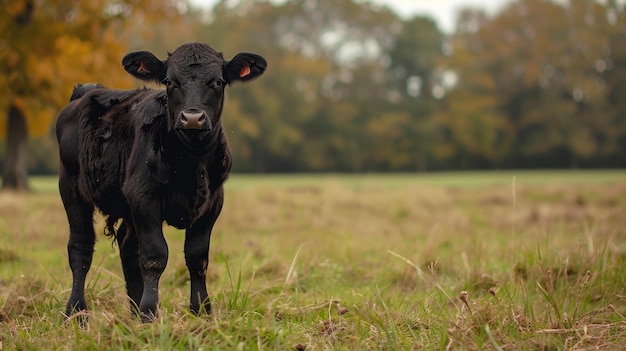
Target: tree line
point(353, 86)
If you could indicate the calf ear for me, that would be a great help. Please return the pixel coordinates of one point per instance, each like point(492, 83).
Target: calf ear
point(145, 66)
point(244, 66)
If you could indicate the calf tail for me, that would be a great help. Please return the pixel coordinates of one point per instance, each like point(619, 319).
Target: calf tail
point(109, 228)
point(82, 89)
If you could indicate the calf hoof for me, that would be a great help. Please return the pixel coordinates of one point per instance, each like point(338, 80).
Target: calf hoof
point(74, 305)
point(147, 317)
point(148, 310)
point(76, 309)
point(200, 309)
point(81, 316)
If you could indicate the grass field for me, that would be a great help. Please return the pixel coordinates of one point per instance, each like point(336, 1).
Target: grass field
point(449, 261)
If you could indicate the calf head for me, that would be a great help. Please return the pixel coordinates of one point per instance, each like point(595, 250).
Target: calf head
point(195, 76)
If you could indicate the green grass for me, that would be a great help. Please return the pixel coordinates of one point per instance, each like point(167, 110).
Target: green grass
point(463, 179)
point(471, 260)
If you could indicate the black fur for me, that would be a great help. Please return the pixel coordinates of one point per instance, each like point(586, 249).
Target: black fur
point(82, 89)
point(132, 154)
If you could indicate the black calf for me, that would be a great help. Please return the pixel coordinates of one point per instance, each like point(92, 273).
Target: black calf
point(147, 156)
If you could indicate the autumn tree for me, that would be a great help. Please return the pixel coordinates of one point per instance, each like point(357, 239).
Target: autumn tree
point(533, 84)
point(353, 87)
point(46, 48)
point(475, 129)
point(415, 84)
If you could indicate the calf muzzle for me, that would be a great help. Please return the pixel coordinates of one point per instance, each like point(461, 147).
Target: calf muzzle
point(194, 119)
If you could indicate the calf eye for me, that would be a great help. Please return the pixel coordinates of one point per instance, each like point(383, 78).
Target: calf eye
point(170, 84)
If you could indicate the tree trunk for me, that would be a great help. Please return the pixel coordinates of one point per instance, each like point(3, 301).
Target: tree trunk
point(14, 173)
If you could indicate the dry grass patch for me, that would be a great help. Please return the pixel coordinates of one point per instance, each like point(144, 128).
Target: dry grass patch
point(331, 263)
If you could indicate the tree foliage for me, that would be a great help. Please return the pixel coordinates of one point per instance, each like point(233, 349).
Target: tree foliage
point(49, 46)
point(533, 81)
point(44, 42)
point(352, 86)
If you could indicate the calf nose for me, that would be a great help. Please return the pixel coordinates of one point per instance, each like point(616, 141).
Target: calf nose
point(193, 119)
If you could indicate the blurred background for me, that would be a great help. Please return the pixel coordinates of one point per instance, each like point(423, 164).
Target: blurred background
point(352, 85)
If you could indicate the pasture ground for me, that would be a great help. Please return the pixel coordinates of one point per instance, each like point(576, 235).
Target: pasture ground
point(444, 261)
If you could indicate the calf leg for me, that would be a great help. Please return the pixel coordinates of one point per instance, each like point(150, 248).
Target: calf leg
point(197, 242)
point(80, 253)
point(80, 244)
point(129, 253)
point(197, 259)
point(153, 254)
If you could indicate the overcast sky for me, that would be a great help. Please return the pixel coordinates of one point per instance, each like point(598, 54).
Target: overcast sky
point(443, 11)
